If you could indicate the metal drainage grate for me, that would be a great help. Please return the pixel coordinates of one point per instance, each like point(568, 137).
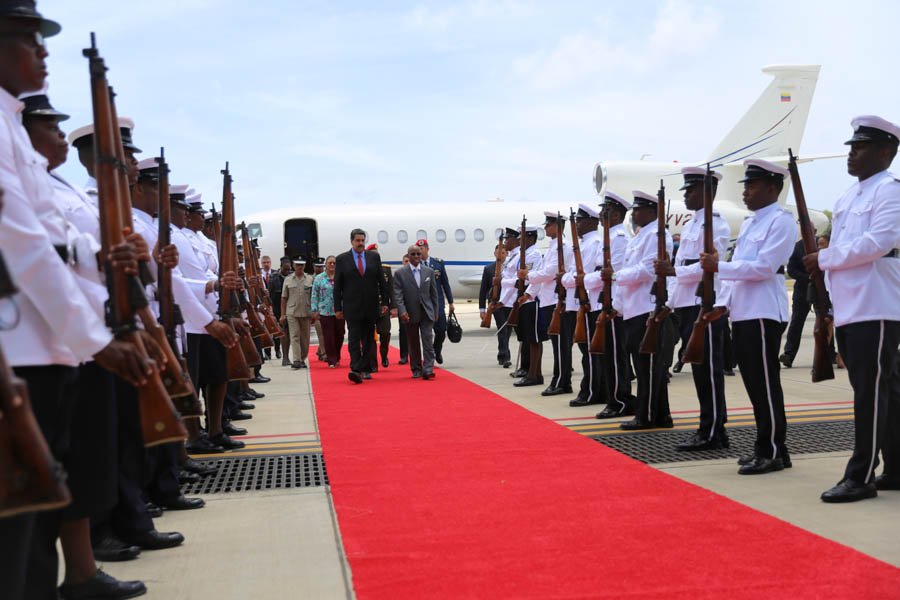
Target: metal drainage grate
point(262, 473)
point(655, 447)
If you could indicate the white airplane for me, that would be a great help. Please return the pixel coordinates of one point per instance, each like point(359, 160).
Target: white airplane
point(464, 235)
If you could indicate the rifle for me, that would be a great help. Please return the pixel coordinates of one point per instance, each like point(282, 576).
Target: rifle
point(513, 318)
point(494, 301)
point(176, 379)
point(160, 423)
point(259, 295)
point(30, 478)
point(822, 369)
point(253, 304)
point(243, 355)
point(559, 311)
point(651, 336)
point(607, 312)
point(580, 336)
point(693, 352)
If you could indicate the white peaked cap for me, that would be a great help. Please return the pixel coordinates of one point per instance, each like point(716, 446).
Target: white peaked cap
point(766, 166)
point(589, 210)
point(147, 163)
point(531, 229)
point(194, 198)
point(875, 122)
point(701, 171)
point(617, 198)
point(645, 196)
point(76, 134)
point(178, 189)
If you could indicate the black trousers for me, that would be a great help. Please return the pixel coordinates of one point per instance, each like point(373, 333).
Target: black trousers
point(756, 346)
point(709, 375)
point(404, 344)
point(28, 560)
point(503, 332)
point(162, 463)
point(799, 310)
point(440, 331)
point(591, 387)
point(562, 351)
point(728, 344)
point(359, 341)
point(383, 327)
point(617, 375)
point(652, 403)
point(869, 350)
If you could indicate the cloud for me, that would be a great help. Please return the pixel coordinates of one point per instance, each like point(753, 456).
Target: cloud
point(432, 18)
point(679, 29)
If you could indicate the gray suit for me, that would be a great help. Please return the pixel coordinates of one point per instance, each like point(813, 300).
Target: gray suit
point(420, 302)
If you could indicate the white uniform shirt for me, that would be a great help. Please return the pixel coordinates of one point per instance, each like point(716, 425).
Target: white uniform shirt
point(542, 281)
point(756, 289)
point(618, 242)
point(591, 245)
point(688, 277)
point(56, 323)
point(194, 269)
point(864, 285)
point(637, 275)
point(508, 292)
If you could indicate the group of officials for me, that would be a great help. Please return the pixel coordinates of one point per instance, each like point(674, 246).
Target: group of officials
point(862, 269)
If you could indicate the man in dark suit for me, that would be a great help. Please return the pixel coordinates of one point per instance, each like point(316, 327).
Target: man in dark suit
point(443, 290)
point(360, 297)
point(416, 297)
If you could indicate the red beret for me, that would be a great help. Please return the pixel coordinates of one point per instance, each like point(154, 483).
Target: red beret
point(372, 247)
point(422, 243)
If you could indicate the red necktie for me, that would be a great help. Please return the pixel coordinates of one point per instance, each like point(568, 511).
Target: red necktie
point(359, 265)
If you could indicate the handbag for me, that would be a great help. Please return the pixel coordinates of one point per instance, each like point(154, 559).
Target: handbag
point(454, 330)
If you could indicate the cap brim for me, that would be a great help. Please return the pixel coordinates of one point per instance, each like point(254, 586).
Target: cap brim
point(862, 137)
point(44, 112)
point(49, 28)
point(132, 147)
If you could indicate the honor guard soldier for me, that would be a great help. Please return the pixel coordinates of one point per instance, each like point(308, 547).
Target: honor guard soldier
point(587, 219)
point(758, 303)
point(709, 375)
point(562, 374)
point(616, 361)
point(538, 303)
point(507, 296)
point(862, 267)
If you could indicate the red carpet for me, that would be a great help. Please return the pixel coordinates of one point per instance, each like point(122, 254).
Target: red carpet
point(446, 490)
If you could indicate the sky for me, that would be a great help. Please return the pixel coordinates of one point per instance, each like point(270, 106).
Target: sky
point(316, 103)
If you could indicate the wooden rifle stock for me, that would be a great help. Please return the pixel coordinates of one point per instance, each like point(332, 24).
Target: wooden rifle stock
point(513, 319)
point(159, 421)
point(580, 336)
point(259, 295)
point(694, 350)
point(822, 368)
point(650, 343)
point(607, 312)
point(555, 325)
point(252, 300)
point(494, 301)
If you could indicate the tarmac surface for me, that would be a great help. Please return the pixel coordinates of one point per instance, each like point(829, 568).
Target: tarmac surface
point(284, 543)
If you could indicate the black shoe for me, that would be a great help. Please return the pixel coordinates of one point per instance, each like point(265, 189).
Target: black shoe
point(664, 423)
point(729, 372)
point(203, 469)
point(556, 391)
point(850, 491)
point(887, 482)
point(240, 416)
point(506, 364)
point(697, 443)
point(155, 511)
point(678, 367)
point(277, 353)
point(254, 394)
point(296, 365)
point(749, 458)
point(579, 401)
point(230, 429)
point(636, 425)
point(611, 412)
point(788, 362)
point(261, 379)
point(528, 381)
point(246, 406)
point(103, 586)
point(182, 502)
point(157, 540)
point(416, 374)
point(367, 375)
point(427, 375)
point(285, 361)
point(760, 466)
point(355, 377)
point(384, 362)
point(439, 358)
point(112, 549)
point(226, 442)
point(187, 477)
point(203, 446)
point(403, 361)
point(268, 353)
point(518, 374)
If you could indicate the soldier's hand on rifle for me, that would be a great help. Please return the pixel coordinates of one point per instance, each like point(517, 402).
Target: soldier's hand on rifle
point(522, 273)
point(168, 257)
point(579, 280)
point(254, 281)
point(153, 348)
point(811, 263)
point(139, 243)
point(230, 281)
point(606, 273)
point(709, 262)
point(664, 267)
point(124, 256)
point(126, 361)
point(525, 298)
point(240, 326)
point(222, 332)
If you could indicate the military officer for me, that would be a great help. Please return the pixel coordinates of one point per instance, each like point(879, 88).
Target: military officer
point(709, 375)
point(296, 295)
point(758, 302)
point(862, 266)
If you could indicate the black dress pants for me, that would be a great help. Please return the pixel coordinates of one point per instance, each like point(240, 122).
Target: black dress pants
point(617, 375)
point(360, 332)
point(440, 331)
point(591, 387)
point(756, 346)
point(652, 403)
point(709, 375)
point(503, 332)
point(562, 351)
point(404, 344)
point(869, 350)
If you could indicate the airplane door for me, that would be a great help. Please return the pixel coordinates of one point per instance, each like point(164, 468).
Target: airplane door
point(301, 238)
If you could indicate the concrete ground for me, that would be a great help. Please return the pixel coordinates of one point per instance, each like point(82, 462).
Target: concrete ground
point(285, 543)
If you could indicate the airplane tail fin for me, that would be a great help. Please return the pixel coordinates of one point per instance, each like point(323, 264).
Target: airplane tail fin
point(776, 120)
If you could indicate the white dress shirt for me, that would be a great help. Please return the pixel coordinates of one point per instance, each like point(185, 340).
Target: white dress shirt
point(591, 245)
point(864, 284)
point(593, 281)
point(637, 275)
point(688, 277)
point(542, 281)
point(755, 288)
point(56, 323)
point(508, 292)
